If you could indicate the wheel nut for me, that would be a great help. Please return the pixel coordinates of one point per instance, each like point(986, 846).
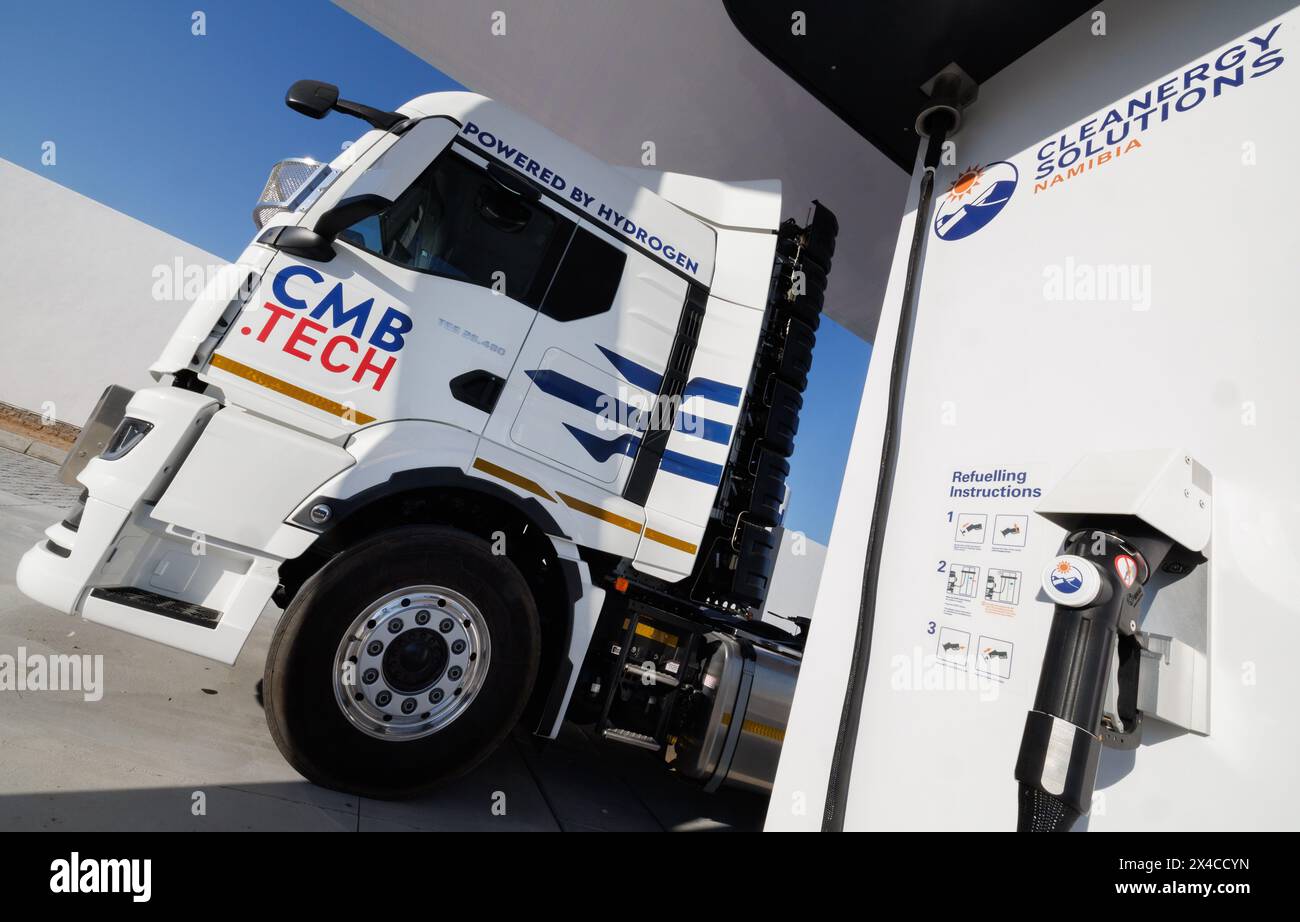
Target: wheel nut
point(383, 698)
point(374, 648)
point(409, 706)
point(445, 625)
point(454, 673)
point(458, 646)
point(395, 626)
point(422, 617)
point(435, 696)
point(370, 676)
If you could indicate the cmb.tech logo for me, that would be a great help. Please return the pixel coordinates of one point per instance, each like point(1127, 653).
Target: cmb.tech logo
point(975, 198)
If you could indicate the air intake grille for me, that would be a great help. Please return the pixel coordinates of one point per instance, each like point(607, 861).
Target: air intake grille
point(655, 439)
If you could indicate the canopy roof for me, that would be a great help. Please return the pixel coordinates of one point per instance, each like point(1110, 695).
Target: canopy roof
point(684, 76)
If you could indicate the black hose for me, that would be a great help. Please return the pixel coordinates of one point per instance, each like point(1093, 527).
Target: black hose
point(940, 123)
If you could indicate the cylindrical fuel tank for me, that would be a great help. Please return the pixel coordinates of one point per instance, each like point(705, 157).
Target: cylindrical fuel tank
point(733, 736)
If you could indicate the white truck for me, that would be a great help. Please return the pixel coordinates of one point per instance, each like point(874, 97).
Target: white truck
point(503, 429)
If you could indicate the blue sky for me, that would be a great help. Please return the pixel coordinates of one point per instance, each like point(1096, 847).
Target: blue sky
point(179, 130)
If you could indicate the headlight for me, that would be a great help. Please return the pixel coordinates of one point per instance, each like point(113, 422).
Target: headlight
point(126, 436)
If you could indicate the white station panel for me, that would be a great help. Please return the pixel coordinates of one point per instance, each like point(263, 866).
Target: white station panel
point(1110, 265)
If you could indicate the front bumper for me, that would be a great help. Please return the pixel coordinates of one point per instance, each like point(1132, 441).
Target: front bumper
point(125, 561)
point(59, 571)
point(56, 571)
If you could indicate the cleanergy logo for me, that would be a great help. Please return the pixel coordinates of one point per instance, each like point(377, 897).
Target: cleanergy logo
point(976, 197)
point(1066, 577)
point(1107, 135)
point(979, 194)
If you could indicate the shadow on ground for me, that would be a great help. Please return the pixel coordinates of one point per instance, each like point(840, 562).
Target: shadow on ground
point(573, 784)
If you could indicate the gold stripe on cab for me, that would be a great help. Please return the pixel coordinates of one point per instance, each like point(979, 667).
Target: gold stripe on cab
point(596, 512)
point(519, 480)
point(675, 543)
point(271, 383)
point(581, 505)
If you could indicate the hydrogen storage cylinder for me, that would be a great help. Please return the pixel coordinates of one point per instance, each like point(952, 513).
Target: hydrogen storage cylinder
point(734, 735)
point(1108, 265)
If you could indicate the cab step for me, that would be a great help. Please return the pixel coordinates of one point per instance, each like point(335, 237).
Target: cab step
point(631, 738)
point(157, 604)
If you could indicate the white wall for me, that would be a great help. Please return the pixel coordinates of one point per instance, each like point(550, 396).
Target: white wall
point(798, 571)
point(77, 294)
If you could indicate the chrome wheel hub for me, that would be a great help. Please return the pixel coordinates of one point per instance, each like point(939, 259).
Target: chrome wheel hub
point(411, 663)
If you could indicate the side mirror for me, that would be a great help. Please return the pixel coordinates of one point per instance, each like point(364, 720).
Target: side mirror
point(318, 244)
point(315, 99)
point(312, 98)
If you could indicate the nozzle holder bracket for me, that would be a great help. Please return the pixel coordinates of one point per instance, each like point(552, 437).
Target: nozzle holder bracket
point(1170, 493)
point(1174, 671)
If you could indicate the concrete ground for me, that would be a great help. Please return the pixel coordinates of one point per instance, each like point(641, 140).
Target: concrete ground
point(178, 742)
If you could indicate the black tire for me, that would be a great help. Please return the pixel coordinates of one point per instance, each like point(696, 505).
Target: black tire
point(824, 220)
point(806, 309)
point(814, 276)
point(783, 403)
point(796, 354)
point(819, 248)
point(821, 234)
point(306, 720)
point(768, 490)
point(814, 281)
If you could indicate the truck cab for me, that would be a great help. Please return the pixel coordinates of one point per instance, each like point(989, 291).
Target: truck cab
point(502, 428)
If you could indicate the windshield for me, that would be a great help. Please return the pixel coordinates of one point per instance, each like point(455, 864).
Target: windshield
point(457, 221)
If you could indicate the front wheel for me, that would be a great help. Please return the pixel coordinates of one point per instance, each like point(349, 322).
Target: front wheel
point(404, 662)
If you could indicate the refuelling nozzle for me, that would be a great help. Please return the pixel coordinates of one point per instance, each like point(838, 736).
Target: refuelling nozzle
point(1096, 585)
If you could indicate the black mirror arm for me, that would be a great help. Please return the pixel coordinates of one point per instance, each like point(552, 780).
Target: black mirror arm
point(376, 118)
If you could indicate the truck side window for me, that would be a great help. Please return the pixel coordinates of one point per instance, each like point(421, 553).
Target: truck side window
point(456, 221)
point(588, 279)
